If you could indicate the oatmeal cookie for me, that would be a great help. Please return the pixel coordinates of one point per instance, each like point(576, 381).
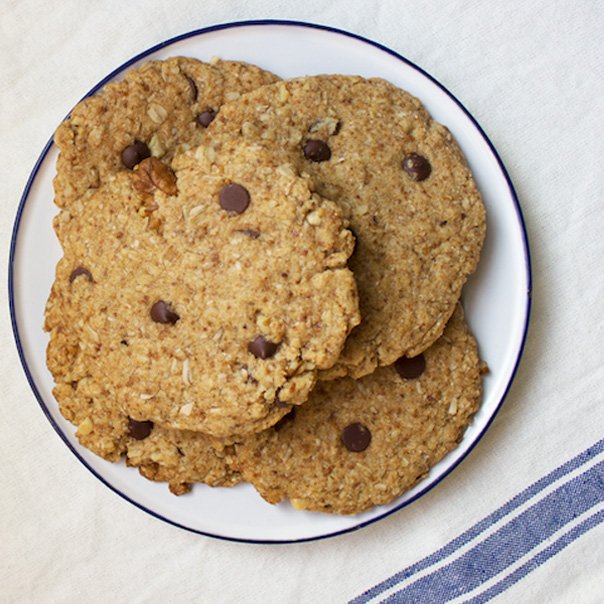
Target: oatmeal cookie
point(88, 401)
point(214, 294)
point(356, 444)
point(156, 109)
point(402, 182)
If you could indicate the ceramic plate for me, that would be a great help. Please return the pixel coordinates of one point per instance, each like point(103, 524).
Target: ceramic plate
point(496, 299)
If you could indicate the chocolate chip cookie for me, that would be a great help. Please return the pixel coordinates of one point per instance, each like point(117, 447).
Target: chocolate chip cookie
point(87, 399)
point(179, 457)
point(402, 182)
point(356, 444)
point(208, 297)
point(156, 109)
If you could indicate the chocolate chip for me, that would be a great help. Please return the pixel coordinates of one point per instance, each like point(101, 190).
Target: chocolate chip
point(205, 118)
point(356, 437)
point(193, 88)
point(162, 313)
point(124, 342)
point(80, 270)
point(249, 232)
point(417, 167)
point(134, 154)
point(139, 430)
point(262, 348)
point(316, 150)
point(410, 368)
point(234, 198)
point(286, 419)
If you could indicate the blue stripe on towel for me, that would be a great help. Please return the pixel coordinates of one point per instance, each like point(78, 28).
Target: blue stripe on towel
point(483, 525)
point(509, 543)
point(537, 560)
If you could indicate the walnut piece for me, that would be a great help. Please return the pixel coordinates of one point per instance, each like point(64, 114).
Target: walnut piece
point(151, 174)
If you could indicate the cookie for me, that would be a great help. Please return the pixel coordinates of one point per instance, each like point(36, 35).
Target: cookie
point(402, 182)
point(156, 109)
point(356, 444)
point(210, 297)
point(87, 400)
point(180, 458)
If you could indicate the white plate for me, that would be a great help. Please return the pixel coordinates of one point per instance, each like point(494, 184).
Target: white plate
point(497, 298)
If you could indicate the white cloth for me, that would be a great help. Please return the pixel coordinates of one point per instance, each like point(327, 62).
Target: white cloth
point(531, 74)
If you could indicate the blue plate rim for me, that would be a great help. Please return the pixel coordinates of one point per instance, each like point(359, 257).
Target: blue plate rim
point(289, 23)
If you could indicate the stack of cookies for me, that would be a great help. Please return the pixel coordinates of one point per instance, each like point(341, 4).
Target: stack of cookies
point(261, 282)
